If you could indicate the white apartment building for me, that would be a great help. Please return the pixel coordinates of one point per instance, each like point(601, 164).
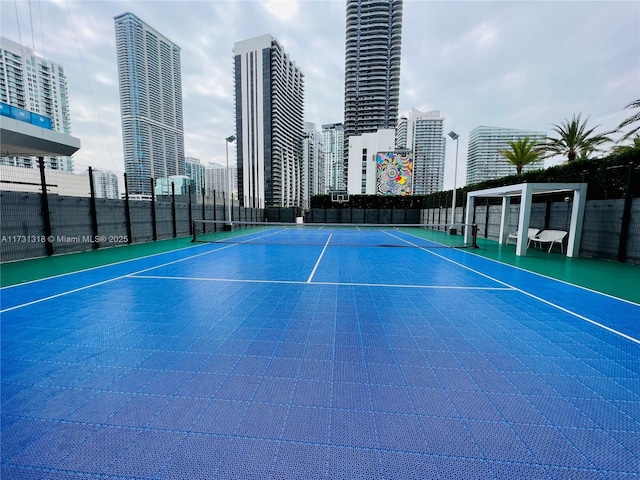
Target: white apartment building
point(38, 85)
point(313, 168)
point(333, 149)
point(484, 161)
point(269, 100)
point(363, 167)
point(218, 178)
point(422, 133)
point(105, 184)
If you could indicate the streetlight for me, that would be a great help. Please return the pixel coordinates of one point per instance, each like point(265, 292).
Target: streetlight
point(229, 225)
point(454, 136)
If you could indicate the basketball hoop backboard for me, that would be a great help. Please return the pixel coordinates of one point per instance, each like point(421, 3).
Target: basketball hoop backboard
point(339, 196)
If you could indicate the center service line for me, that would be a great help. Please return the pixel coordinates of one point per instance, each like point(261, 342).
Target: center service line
point(313, 272)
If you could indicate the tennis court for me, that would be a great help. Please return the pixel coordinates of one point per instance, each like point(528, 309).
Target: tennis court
point(318, 353)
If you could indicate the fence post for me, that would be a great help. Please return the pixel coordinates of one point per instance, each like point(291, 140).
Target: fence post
point(547, 212)
point(626, 217)
point(215, 226)
point(94, 213)
point(154, 227)
point(204, 212)
point(190, 213)
point(173, 209)
point(486, 220)
point(44, 206)
point(224, 207)
point(127, 210)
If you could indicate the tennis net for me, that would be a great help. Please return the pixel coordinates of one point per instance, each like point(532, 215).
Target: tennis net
point(337, 234)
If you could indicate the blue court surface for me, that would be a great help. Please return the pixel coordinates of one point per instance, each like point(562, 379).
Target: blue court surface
point(321, 359)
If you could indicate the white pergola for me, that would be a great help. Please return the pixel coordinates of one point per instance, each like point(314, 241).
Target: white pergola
point(526, 191)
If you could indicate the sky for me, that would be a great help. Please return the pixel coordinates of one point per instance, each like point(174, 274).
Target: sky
point(515, 64)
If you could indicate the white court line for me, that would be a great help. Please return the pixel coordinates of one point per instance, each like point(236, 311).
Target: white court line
point(313, 272)
point(299, 282)
point(575, 314)
point(98, 266)
point(33, 302)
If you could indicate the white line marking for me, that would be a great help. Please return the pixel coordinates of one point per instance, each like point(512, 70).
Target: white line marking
point(577, 315)
point(298, 282)
point(97, 266)
point(313, 272)
point(15, 307)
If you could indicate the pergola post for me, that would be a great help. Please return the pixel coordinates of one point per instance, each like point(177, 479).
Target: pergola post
point(524, 219)
point(577, 219)
point(468, 220)
point(504, 218)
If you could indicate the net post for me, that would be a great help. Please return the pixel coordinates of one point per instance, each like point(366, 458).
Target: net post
point(474, 235)
point(193, 229)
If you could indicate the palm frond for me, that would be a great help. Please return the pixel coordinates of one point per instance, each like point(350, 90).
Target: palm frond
point(632, 119)
point(574, 139)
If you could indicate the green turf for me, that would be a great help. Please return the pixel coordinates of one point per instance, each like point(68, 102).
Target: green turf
point(21, 271)
point(614, 278)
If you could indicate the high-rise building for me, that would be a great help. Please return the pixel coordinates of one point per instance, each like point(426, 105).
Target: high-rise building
point(313, 169)
point(105, 184)
point(150, 103)
point(363, 165)
point(196, 172)
point(218, 178)
point(35, 84)
point(269, 97)
point(484, 161)
point(421, 132)
point(333, 144)
point(372, 66)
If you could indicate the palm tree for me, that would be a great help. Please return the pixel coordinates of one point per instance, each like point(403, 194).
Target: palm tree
point(575, 140)
point(634, 146)
point(523, 152)
point(632, 119)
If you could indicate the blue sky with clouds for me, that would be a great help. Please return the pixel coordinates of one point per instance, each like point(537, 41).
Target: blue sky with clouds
point(513, 64)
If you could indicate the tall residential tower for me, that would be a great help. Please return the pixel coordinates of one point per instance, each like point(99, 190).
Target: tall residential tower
point(269, 93)
point(484, 161)
point(150, 103)
point(421, 132)
point(36, 84)
point(333, 143)
point(372, 66)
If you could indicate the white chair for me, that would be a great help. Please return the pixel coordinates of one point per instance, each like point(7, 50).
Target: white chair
point(550, 237)
point(530, 233)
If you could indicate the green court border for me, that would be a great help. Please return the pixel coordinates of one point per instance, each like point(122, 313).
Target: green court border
point(620, 280)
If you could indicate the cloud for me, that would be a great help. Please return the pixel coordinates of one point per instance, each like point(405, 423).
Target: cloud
point(283, 10)
point(511, 64)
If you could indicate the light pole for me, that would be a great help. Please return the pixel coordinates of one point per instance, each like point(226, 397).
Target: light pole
point(456, 137)
point(229, 224)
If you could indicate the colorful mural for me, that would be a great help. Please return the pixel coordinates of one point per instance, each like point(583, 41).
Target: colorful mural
point(395, 173)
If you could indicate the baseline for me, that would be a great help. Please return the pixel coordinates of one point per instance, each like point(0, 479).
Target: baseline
point(300, 282)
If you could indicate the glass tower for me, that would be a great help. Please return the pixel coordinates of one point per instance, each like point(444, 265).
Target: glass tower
point(372, 66)
point(150, 82)
point(269, 94)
